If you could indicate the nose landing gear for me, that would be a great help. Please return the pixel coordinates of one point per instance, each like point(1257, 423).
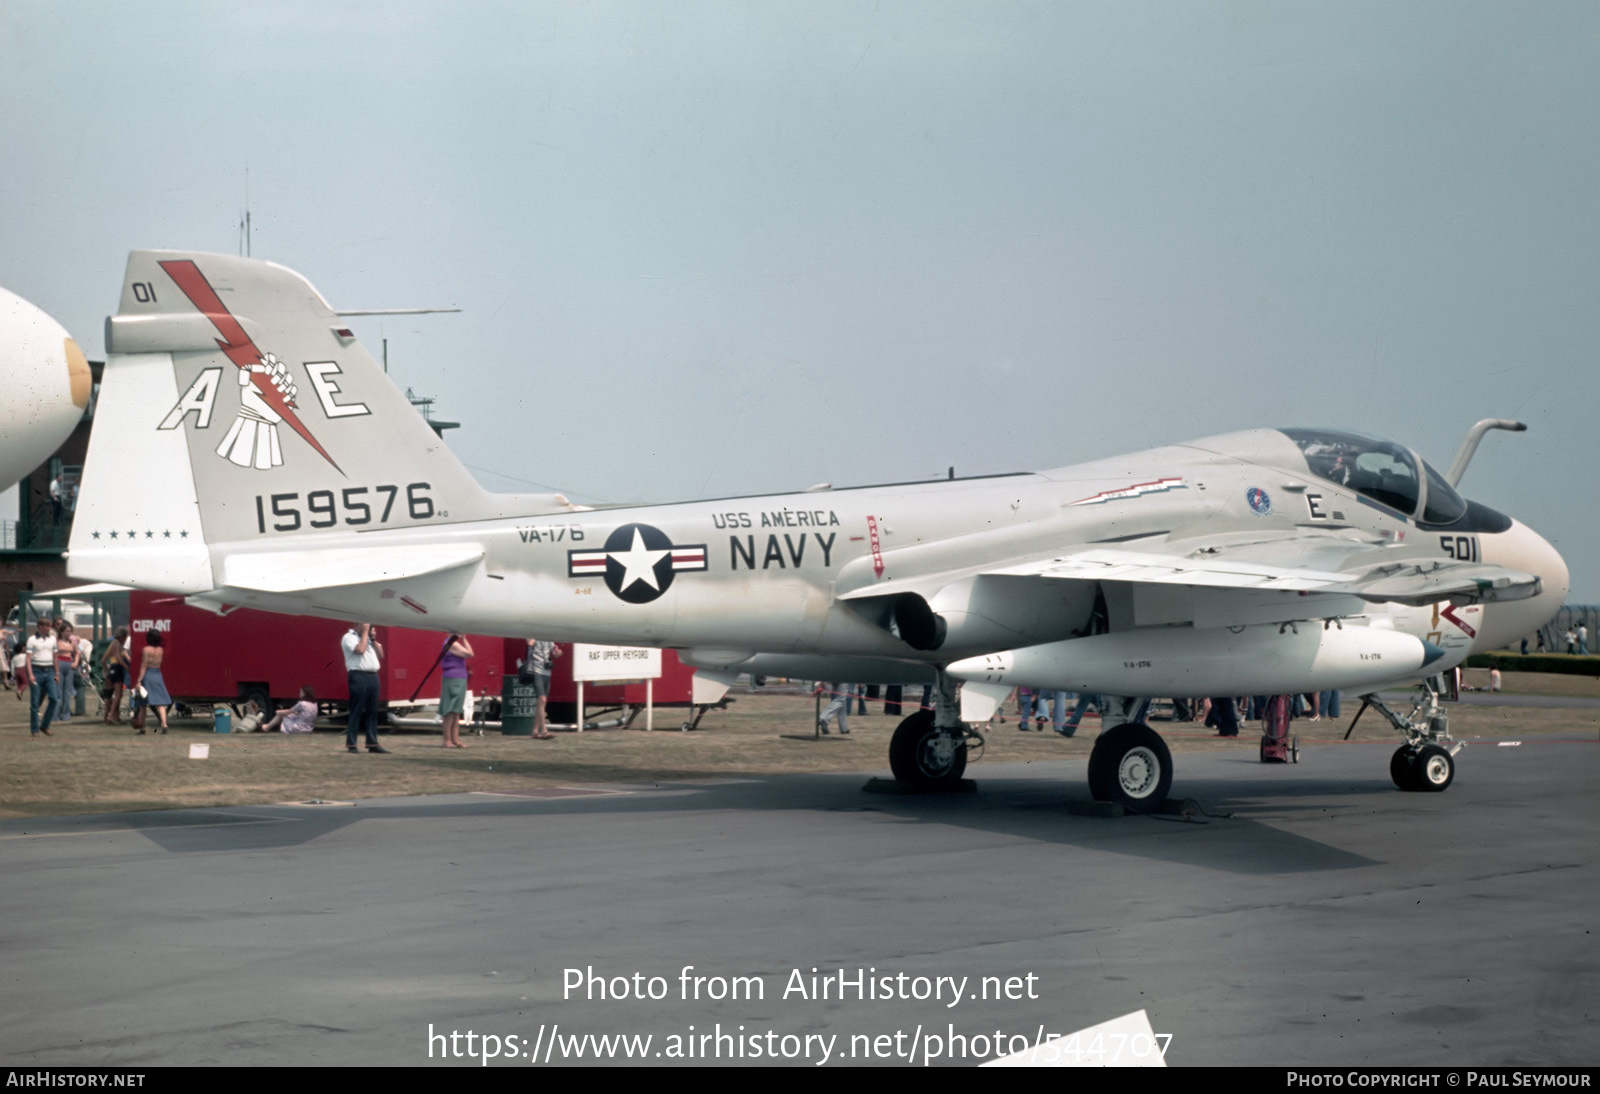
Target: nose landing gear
point(1426, 762)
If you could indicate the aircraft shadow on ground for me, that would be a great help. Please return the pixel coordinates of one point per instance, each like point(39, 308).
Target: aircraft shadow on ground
point(1229, 838)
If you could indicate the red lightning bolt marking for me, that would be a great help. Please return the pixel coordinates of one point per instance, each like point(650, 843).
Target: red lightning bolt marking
point(1450, 614)
point(236, 343)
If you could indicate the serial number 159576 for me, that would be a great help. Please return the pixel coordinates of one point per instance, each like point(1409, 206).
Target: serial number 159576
point(354, 505)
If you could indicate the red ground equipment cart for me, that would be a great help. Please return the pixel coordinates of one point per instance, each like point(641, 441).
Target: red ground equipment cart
point(1277, 747)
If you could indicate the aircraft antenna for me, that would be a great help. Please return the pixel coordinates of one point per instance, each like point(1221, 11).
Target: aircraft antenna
point(244, 222)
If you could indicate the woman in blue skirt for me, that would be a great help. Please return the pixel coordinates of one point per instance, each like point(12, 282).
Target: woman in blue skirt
point(156, 695)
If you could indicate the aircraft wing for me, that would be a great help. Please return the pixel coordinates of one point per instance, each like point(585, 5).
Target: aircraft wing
point(1110, 564)
point(1281, 561)
point(1407, 581)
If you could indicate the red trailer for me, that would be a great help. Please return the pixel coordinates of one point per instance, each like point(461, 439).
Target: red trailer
point(247, 654)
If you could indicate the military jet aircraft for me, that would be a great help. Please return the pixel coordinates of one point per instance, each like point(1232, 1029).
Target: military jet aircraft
point(46, 383)
point(249, 451)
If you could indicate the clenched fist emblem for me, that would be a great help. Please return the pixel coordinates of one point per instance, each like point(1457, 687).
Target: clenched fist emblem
point(252, 441)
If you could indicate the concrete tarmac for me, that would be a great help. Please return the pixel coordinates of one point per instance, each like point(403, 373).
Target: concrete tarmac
point(1327, 918)
point(1501, 699)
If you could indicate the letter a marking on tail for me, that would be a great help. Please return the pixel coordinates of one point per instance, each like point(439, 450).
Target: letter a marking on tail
point(199, 400)
point(239, 348)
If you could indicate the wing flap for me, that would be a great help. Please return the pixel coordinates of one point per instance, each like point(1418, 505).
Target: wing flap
point(299, 571)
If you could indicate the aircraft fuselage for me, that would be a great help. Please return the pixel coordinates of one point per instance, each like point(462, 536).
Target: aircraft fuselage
point(731, 578)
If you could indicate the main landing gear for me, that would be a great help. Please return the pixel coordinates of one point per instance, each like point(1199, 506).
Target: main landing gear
point(1130, 764)
point(926, 757)
point(929, 749)
point(1426, 762)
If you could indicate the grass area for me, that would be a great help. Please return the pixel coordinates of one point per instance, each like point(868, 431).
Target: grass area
point(90, 768)
point(1536, 683)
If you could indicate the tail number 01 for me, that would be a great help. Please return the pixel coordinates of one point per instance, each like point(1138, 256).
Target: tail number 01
point(354, 506)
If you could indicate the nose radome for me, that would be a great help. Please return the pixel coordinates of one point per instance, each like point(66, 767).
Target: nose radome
point(1521, 548)
point(1536, 555)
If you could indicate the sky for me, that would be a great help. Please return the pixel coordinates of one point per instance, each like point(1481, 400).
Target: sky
point(705, 249)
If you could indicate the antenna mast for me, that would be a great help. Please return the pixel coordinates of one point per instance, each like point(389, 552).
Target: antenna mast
point(244, 224)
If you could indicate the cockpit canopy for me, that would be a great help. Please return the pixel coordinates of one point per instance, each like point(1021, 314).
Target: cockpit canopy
point(1380, 470)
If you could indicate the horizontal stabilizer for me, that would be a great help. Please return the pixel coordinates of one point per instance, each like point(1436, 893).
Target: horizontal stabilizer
point(298, 571)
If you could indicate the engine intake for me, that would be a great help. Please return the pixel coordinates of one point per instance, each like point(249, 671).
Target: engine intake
point(918, 625)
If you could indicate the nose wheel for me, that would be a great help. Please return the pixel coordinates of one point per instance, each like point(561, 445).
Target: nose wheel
point(1426, 762)
point(1430, 768)
point(1403, 767)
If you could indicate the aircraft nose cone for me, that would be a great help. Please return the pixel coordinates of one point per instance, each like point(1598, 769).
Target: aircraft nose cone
point(1530, 552)
point(1521, 548)
point(1557, 580)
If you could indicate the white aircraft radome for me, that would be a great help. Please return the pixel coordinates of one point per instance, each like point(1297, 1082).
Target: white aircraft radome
point(46, 383)
point(247, 450)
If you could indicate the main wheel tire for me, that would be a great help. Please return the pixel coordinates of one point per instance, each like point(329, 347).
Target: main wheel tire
point(922, 756)
point(1403, 768)
point(1435, 769)
point(1130, 765)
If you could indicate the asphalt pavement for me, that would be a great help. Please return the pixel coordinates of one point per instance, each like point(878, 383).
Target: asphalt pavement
point(1317, 915)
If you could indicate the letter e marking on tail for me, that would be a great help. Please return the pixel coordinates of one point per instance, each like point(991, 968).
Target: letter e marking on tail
point(326, 389)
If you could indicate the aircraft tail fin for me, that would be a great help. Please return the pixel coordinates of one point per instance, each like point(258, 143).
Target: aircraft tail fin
point(237, 406)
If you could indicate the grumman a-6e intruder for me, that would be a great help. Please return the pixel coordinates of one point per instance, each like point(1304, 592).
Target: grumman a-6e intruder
point(248, 451)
